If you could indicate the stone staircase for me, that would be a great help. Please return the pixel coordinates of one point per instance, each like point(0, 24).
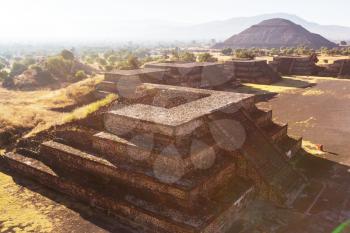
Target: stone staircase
point(287, 145)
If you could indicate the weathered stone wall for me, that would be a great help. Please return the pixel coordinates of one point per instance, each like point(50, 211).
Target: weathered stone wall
point(252, 71)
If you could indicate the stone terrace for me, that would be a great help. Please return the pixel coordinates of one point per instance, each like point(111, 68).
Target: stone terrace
point(293, 65)
point(170, 159)
point(252, 71)
point(196, 74)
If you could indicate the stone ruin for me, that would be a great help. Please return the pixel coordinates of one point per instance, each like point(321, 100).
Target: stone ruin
point(295, 65)
point(169, 158)
point(205, 75)
point(196, 74)
point(340, 68)
point(252, 71)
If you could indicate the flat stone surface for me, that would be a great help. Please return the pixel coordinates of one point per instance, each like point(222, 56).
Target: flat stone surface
point(186, 113)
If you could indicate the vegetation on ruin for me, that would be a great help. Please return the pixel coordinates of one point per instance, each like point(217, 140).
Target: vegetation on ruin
point(27, 110)
point(77, 114)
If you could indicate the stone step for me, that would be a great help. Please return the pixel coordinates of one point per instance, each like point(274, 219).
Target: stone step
point(275, 131)
point(107, 86)
point(261, 118)
point(167, 176)
point(144, 149)
point(116, 205)
point(262, 153)
point(140, 214)
point(290, 146)
point(76, 135)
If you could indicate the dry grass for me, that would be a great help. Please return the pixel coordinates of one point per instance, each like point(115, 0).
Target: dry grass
point(314, 92)
point(330, 59)
point(311, 148)
point(28, 109)
point(287, 84)
point(77, 114)
point(18, 211)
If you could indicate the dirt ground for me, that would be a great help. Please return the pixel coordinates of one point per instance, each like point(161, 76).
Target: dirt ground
point(26, 206)
point(320, 114)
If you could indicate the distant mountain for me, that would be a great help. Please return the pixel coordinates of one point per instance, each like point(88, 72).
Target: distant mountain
point(221, 30)
point(276, 33)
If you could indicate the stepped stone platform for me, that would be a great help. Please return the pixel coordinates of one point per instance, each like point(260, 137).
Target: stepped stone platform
point(340, 68)
point(205, 75)
point(196, 74)
point(252, 71)
point(171, 159)
point(294, 65)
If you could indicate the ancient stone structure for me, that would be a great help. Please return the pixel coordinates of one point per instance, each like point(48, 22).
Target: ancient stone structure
point(340, 68)
point(170, 159)
point(129, 78)
point(252, 71)
point(275, 33)
point(208, 75)
point(294, 65)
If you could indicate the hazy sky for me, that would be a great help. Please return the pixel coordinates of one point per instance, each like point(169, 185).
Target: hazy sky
point(53, 18)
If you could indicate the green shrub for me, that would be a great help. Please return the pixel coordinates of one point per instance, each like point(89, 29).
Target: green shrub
point(245, 53)
point(3, 75)
point(227, 51)
point(80, 75)
point(17, 69)
point(66, 54)
point(59, 67)
point(206, 57)
point(187, 57)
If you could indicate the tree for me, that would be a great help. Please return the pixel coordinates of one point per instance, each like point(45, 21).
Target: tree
point(102, 61)
point(80, 75)
point(68, 55)
point(108, 68)
point(28, 61)
point(3, 75)
point(113, 59)
point(245, 53)
point(2, 66)
point(132, 62)
point(17, 69)
point(206, 57)
point(8, 82)
point(227, 51)
point(59, 67)
point(187, 57)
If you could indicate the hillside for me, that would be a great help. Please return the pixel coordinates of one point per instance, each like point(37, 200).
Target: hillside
point(276, 33)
